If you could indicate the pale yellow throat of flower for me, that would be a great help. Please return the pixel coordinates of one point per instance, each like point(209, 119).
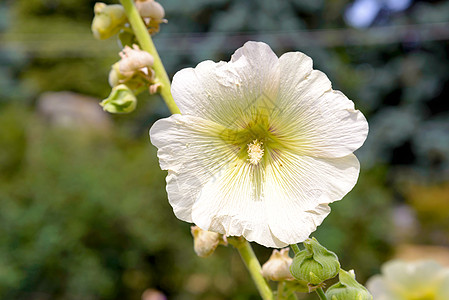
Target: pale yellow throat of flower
point(255, 152)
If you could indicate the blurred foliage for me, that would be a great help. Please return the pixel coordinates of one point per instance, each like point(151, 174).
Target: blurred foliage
point(431, 203)
point(85, 215)
point(358, 229)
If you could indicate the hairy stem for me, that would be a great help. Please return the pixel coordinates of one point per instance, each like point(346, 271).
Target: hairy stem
point(280, 290)
point(253, 266)
point(321, 294)
point(146, 43)
point(295, 248)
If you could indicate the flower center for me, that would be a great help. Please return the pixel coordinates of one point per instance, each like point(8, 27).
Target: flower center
point(255, 152)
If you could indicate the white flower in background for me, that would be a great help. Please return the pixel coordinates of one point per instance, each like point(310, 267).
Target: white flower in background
point(420, 280)
point(262, 147)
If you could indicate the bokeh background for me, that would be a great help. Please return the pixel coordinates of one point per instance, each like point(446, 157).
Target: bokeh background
point(83, 208)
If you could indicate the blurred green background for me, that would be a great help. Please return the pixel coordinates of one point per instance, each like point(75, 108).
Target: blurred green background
point(83, 208)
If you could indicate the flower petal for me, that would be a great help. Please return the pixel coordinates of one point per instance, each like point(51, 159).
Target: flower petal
point(278, 205)
point(230, 204)
point(191, 150)
point(207, 184)
point(298, 190)
point(380, 289)
point(311, 115)
point(443, 291)
point(420, 277)
point(227, 93)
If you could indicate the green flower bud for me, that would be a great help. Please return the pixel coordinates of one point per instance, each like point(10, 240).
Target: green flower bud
point(108, 20)
point(120, 101)
point(315, 264)
point(348, 288)
point(134, 83)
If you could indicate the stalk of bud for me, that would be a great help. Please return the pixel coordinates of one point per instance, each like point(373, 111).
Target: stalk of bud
point(126, 38)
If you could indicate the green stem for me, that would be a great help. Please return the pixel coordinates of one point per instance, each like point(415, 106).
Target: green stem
point(321, 294)
point(280, 290)
point(253, 266)
point(295, 248)
point(146, 43)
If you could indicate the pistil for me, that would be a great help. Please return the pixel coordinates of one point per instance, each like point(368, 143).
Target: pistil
point(255, 152)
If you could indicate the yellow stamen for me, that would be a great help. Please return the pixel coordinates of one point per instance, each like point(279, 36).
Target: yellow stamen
point(255, 152)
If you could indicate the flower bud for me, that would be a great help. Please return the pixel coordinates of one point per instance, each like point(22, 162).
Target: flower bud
point(205, 242)
point(347, 288)
point(134, 60)
point(114, 76)
point(150, 9)
point(277, 268)
point(315, 264)
point(108, 20)
point(135, 82)
point(121, 100)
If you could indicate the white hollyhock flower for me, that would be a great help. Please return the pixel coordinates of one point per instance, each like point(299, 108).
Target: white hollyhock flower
point(262, 147)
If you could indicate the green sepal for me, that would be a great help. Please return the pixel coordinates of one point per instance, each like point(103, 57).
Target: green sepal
point(314, 264)
point(121, 100)
point(348, 288)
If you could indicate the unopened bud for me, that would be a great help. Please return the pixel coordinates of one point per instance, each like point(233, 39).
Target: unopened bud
point(108, 20)
point(348, 288)
point(150, 9)
point(121, 100)
point(114, 76)
point(205, 242)
point(134, 60)
point(135, 82)
point(315, 264)
point(277, 267)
